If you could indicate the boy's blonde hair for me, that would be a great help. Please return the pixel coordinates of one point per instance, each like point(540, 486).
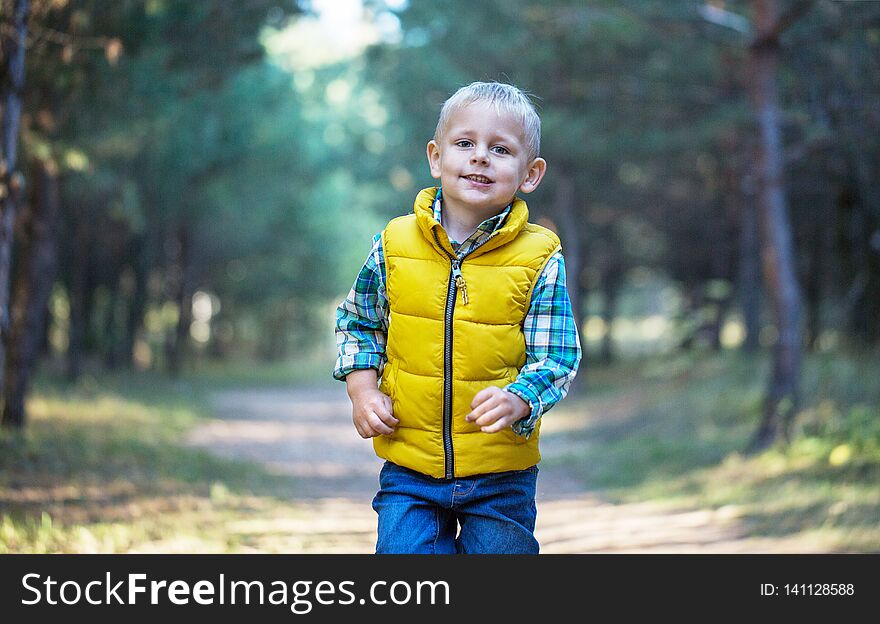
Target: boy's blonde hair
point(506, 98)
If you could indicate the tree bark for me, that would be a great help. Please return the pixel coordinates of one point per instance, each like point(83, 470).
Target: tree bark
point(749, 276)
point(777, 252)
point(716, 325)
point(565, 209)
point(35, 273)
point(79, 292)
point(610, 291)
point(110, 332)
point(813, 283)
point(13, 41)
point(138, 304)
point(178, 341)
point(863, 300)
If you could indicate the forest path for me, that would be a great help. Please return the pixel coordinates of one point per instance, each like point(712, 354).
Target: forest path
point(306, 433)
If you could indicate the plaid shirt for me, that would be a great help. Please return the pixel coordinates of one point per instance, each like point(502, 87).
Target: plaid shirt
point(553, 350)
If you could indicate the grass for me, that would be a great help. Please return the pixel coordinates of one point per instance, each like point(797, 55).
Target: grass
point(675, 429)
point(102, 467)
point(309, 367)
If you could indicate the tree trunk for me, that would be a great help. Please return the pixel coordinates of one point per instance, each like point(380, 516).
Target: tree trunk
point(138, 304)
point(565, 209)
point(177, 345)
point(35, 273)
point(863, 307)
point(109, 344)
point(13, 41)
point(859, 201)
point(749, 276)
point(813, 285)
point(694, 301)
point(780, 277)
point(610, 290)
point(716, 324)
point(79, 292)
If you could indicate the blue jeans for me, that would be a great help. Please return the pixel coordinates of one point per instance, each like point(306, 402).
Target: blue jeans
point(421, 514)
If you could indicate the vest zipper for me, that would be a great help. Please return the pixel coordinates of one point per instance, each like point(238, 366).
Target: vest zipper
point(459, 281)
point(455, 278)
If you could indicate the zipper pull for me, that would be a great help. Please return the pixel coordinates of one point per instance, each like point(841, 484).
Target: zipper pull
point(459, 281)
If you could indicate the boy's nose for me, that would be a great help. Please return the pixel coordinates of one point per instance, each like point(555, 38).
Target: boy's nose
point(479, 155)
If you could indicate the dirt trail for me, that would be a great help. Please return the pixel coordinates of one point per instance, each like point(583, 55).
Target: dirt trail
point(307, 433)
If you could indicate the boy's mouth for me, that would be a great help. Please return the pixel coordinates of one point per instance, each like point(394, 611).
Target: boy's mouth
point(479, 179)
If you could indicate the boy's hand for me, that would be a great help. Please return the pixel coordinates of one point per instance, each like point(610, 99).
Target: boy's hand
point(370, 408)
point(371, 413)
point(493, 409)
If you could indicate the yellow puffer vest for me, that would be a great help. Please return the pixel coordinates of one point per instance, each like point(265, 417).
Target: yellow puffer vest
point(442, 351)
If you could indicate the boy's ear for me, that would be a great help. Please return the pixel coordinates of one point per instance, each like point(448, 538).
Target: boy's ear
point(433, 151)
point(535, 173)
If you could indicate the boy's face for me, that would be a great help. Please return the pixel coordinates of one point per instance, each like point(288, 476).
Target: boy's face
point(482, 161)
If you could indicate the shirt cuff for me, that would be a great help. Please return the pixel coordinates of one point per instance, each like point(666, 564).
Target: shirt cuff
point(525, 426)
point(349, 363)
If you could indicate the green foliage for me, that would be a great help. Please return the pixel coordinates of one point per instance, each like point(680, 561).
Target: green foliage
point(679, 436)
point(644, 105)
point(191, 137)
point(629, 94)
point(170, 122)
point(101, 468)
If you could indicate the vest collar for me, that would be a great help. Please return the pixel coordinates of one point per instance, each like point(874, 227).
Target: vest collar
point(423, 209)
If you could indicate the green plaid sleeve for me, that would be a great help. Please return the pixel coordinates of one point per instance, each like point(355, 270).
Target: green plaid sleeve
point(553, 350)
point(362, 319)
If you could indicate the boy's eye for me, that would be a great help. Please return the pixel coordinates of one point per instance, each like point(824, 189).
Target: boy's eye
point(463, 143)
point(500, 149)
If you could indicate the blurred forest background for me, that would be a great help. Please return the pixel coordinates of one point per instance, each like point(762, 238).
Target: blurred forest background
point(190, 187)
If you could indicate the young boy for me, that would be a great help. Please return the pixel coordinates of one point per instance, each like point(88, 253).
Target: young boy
point(461, 308)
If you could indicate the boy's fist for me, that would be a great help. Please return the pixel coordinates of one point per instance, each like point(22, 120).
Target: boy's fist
point(371, 413)
point(493, 409)
point(370, 407)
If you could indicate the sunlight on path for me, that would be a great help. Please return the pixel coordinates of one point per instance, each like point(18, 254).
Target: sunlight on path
point(586, 524)
point(307, 434)
point(301, 433)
